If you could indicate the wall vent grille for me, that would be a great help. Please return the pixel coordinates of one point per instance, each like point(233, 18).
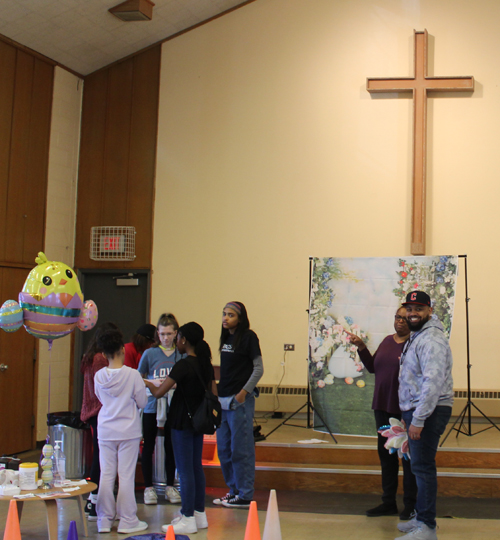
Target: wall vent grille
point(291, 391)
point(267, 390)
point(477, 394)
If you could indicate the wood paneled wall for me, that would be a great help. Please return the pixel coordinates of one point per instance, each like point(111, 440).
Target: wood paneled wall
point(26, 85)
point(118, 155)
point(25, 112)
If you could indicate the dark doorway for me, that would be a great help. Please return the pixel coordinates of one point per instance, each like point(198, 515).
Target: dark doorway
point(122, 297)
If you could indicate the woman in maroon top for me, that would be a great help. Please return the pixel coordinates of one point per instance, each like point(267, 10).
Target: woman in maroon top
point(385, 364)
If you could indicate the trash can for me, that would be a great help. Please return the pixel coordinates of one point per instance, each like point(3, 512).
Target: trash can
point(159, 481)
point(76, 444)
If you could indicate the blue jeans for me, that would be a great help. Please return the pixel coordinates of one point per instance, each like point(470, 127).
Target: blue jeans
point(423, 461)
point(236, 448)
point(188, 448)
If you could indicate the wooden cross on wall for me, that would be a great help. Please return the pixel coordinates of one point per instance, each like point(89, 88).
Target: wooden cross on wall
point(419, 85)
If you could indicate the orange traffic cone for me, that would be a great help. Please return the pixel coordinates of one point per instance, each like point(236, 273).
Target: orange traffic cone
point(170, 533)
point(272, 529)
point(12, 529)
point(252, 531)
point(216, 460)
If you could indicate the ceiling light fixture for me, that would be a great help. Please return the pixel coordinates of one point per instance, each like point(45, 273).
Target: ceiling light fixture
point(133, 10)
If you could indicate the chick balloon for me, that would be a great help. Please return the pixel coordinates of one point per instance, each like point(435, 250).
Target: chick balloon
point(50, 304)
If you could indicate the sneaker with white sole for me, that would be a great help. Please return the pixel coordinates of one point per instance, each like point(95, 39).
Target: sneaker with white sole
point(221, 500)
point(150, 496)
point(172, 495)
point(141, 526)
point(408, 526)
point(420, 532)
point(185, 525)
point(236, 502)
point(201, 520)
point(92, 516)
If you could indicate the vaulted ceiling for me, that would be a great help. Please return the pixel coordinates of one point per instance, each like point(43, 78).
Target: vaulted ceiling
point(83, 36)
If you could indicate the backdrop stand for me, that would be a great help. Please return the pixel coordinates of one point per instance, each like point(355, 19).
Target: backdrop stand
point(466, 429)
point(308, 403)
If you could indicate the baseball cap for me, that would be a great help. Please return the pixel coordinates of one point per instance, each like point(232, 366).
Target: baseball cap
point(418, 297)
point(147, 330)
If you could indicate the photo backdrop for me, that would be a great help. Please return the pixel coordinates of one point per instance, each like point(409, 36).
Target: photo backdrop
point(361, 295)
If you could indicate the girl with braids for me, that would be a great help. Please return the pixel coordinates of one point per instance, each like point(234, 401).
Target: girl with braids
point(156, 363)
point(121, 391)
point(241, 370)
point(192, 375)
point(93, 360)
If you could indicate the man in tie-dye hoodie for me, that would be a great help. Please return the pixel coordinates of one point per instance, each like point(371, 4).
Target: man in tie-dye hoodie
point(425, 400)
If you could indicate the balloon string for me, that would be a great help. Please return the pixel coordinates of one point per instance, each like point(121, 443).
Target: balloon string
point(50, 358)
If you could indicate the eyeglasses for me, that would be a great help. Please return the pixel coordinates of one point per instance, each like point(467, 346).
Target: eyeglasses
point(399, 318)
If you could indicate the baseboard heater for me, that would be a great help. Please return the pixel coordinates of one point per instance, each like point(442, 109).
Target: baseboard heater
point(280, 398)
point(289, 398)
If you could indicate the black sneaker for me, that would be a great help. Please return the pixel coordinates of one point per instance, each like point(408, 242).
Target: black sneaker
point(236, 502)
point(220, 500)
point(88, 506)
point(407, 513)
point(93, 513)
point(384, 509)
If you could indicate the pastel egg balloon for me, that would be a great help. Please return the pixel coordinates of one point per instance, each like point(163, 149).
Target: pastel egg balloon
point(11, 316)
point(88, 316)
point(47, 450)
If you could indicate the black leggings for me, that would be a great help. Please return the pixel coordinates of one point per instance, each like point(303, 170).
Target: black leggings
point(95, 469)
point(149, 431)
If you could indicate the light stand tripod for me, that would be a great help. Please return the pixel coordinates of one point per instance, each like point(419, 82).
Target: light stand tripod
point(308, 403)
point(467, 410)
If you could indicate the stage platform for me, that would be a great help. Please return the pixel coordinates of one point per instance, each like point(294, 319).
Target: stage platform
point(467, 466)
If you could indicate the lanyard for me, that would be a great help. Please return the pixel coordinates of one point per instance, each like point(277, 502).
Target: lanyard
point(409, 342)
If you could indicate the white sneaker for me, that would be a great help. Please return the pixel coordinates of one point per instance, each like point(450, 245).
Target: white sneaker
point(420, 532)
point(141, 526)
point(408, 526)
point(201, 520)
point(172, 495)
point(186, 525)
point(150, 496)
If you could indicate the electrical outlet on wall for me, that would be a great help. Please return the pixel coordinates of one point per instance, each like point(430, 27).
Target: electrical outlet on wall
point(289, 347)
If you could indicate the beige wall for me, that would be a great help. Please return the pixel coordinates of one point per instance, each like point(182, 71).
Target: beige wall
point(60, 232)
point(270, 151)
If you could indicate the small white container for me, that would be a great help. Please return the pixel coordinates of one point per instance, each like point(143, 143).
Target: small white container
point(28, 476)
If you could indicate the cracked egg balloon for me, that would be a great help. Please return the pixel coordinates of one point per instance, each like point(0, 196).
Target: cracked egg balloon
point(51, 299)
